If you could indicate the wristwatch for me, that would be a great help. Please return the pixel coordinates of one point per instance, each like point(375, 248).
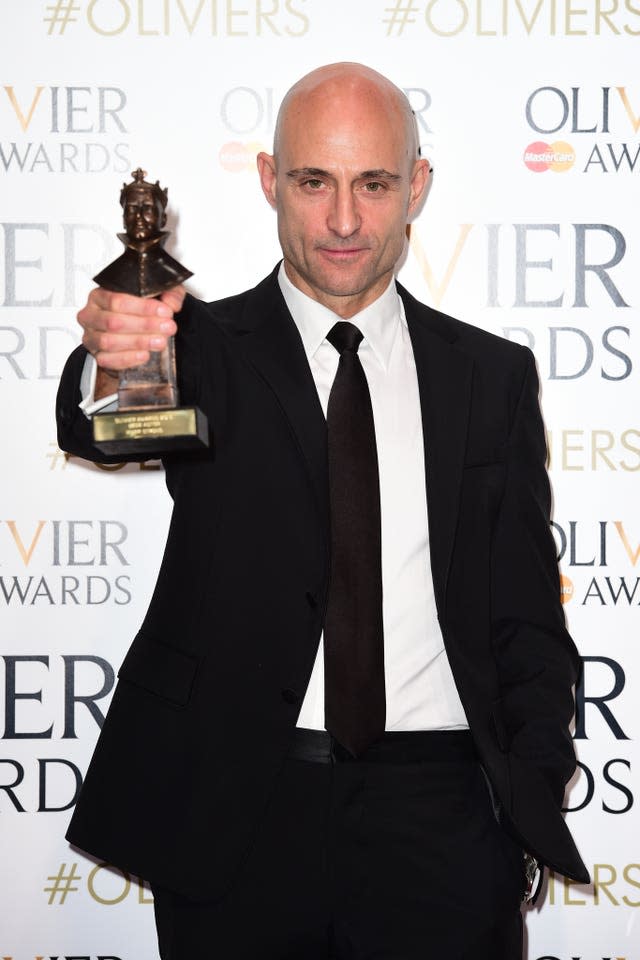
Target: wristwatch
point(532, 877)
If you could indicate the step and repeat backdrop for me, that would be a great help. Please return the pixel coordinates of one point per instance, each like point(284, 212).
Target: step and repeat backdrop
point(530, 113)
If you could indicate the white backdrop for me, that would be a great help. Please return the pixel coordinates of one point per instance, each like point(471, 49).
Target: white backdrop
point(530, 112)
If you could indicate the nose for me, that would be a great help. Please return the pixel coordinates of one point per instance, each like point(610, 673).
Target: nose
point(343, 218)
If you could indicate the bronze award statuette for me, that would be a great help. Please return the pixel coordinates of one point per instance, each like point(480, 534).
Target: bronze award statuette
point(148, 419)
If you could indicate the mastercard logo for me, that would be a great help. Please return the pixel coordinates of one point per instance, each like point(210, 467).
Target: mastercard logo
point(239, 157)
point(540, 156)
point(566, 589)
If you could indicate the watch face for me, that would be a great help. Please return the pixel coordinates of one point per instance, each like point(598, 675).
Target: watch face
point(531, 873)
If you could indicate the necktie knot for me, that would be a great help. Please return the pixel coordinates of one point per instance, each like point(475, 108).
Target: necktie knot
point(345, 336)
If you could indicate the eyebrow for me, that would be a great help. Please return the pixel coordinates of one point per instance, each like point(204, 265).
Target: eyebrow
point(380, 173)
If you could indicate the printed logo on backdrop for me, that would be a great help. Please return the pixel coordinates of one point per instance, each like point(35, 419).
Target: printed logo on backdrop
point(533, 265)
point(558, 156)
point(509, 18)
point(550, 266)
point(64, 563)
point(601, 125)
point(59, 459)
point(614, 885)
point(79, 128)
point(586, 450)
point(104, 884)
point(59, 566)
point(606, 783)
point(43, 265)
point(176, 18)
point(604, 559)
point(248, 115)
point(50, 700)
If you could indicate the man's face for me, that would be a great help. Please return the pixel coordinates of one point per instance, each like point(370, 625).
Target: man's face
point(343, 183)
point(143, 215)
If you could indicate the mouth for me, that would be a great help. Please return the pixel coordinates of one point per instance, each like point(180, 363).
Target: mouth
point(344, 254)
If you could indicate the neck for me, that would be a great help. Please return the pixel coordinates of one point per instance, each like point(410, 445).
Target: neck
point(346, 305)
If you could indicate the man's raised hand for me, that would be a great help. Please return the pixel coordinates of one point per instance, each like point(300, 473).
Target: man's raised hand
point(121, 330)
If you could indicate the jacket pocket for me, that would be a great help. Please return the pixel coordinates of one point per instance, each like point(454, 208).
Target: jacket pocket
point(478, 456)
point(496, 806)
point(160, 669)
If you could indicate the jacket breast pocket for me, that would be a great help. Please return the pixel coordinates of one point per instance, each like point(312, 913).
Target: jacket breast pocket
point(160, 669)
point(485, 456)
point(483, 480)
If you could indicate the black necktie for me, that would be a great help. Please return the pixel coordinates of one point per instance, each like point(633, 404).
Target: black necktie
point(353, 635)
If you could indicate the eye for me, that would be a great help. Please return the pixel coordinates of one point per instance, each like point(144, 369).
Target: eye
point(313, 183)
point(373, 186)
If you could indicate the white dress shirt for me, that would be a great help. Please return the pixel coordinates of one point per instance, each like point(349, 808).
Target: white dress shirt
point(420, 689)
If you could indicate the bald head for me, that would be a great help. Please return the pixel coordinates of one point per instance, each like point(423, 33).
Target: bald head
point(344, 179)
point(339, 83)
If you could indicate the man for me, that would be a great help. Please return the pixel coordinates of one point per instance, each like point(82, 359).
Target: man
point(399, 831)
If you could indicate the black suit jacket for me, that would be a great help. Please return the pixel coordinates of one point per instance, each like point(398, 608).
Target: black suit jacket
point(209, 693)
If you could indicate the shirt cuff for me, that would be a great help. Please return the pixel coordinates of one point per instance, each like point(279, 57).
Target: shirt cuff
point(88, 404)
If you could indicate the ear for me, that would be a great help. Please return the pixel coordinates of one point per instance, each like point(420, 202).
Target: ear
point(267, 172)
point(419, 184)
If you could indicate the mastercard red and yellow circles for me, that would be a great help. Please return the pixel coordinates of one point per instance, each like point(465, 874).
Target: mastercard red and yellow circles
point(237, 157)
point(566, 589)
point(558, 156)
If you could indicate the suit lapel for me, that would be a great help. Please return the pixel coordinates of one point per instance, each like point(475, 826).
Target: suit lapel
point(273, 347)
point(444, 380)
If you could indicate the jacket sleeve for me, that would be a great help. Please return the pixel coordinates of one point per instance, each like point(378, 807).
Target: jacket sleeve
point(74, 427)
point(536, 658)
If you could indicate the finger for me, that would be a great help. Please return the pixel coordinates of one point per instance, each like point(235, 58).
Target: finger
point(126, 303)
point(98, 342)
point(123, 360)
point(174, 298)
point(94, 320)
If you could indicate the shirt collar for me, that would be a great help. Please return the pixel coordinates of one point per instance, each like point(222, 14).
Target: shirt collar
point(378, 322)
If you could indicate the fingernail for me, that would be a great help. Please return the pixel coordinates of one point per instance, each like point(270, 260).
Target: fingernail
point(141, 355)
point(166, 327)
point(163, 310)
point(156, 343)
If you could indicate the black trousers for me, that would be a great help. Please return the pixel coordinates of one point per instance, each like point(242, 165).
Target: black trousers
point(394, 856)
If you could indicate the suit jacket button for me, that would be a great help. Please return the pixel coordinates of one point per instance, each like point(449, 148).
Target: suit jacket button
point(311, 600)
point(290, 696)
